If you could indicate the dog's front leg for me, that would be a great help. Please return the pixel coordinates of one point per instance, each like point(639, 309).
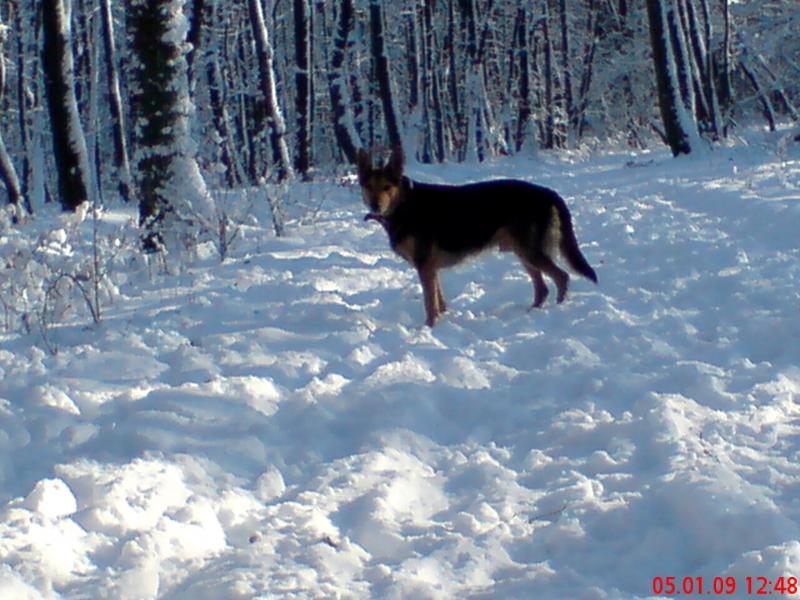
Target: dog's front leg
point(430, 285)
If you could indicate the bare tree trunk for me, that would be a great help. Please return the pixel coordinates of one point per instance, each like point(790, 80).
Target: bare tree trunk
point(121, 160)
point(670, 95)
point(778, 88)
point(590, 48)
point(412, 63)
point(343, 126)
point(699, 65)
point(566, 70)
point(680, 55)
point(726, 87)
point(302, 79)
point(378, 48)
point(766, 103)
point(196, 26)
point(709, 72)
point(549, 82)
point(8, 174)
point(23, 17)
point(170, 189)
point(473, 110)
point(430, 82)
point(524, 134)
point(277, 125)
point(69, 145)
point(217, 85)
point(457, 121)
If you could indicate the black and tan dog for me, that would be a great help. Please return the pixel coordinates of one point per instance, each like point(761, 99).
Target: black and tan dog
point(437, 226)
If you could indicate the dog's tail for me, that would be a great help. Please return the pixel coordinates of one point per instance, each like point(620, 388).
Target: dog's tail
point(568, 245)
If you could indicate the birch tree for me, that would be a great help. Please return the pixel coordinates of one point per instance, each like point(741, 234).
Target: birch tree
point(274, 116)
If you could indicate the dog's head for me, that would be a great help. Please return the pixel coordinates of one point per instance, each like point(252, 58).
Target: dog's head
point(380, 186)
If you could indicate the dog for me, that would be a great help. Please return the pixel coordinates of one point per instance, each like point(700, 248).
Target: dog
point(437, 226)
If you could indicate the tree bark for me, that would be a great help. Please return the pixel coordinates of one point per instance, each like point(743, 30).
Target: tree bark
point(430, 84)
point(121, 159)
point(766, 103)
point(549, 82)
point(302, 79)
point(524, 134)
point(227, 134)
point(170, 188)
point(196, 26)
point(378, 48)
point(8, 174)
point(264, 56)
point(69, 144)
point(590, 49)
point(566, 70)
point(669, 92)
point(343, 127)
point(726, 86)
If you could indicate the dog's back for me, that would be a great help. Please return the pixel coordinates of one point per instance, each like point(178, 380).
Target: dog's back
point(465, 219)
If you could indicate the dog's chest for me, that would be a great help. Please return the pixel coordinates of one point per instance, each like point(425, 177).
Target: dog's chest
point(406, 248)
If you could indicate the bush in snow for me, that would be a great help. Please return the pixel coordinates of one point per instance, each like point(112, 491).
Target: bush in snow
point(59, 267)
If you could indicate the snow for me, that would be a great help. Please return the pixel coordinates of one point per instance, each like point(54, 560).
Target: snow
point(282, 425)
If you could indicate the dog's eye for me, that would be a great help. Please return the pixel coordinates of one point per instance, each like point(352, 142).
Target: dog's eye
point(386, 188)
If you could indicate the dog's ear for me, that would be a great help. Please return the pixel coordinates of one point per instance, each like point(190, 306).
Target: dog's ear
point(363, 163)
point(395, 164)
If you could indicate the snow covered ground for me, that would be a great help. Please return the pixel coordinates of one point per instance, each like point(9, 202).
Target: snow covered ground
point(282, 425)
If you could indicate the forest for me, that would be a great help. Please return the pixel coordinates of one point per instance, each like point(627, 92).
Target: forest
point(158, 101)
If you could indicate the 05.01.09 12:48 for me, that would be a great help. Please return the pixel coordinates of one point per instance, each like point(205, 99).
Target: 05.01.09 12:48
point(724, 586)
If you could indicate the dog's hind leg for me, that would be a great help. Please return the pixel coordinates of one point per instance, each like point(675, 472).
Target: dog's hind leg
point(540, 290)
point(440, 296)
point(542, 263)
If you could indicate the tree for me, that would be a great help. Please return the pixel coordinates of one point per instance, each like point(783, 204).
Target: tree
point(69, 144)
point(726, 86)
point(523, 135)
point(170, 188)
point(122, 167)
point(273, 113)
point(566, 70)
point(382, 74)
point(302, 79)
point(8, 174)
point(705, 77)
point(343, 126)
point(672, 93)
point(550, 139)
point(431, 85)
